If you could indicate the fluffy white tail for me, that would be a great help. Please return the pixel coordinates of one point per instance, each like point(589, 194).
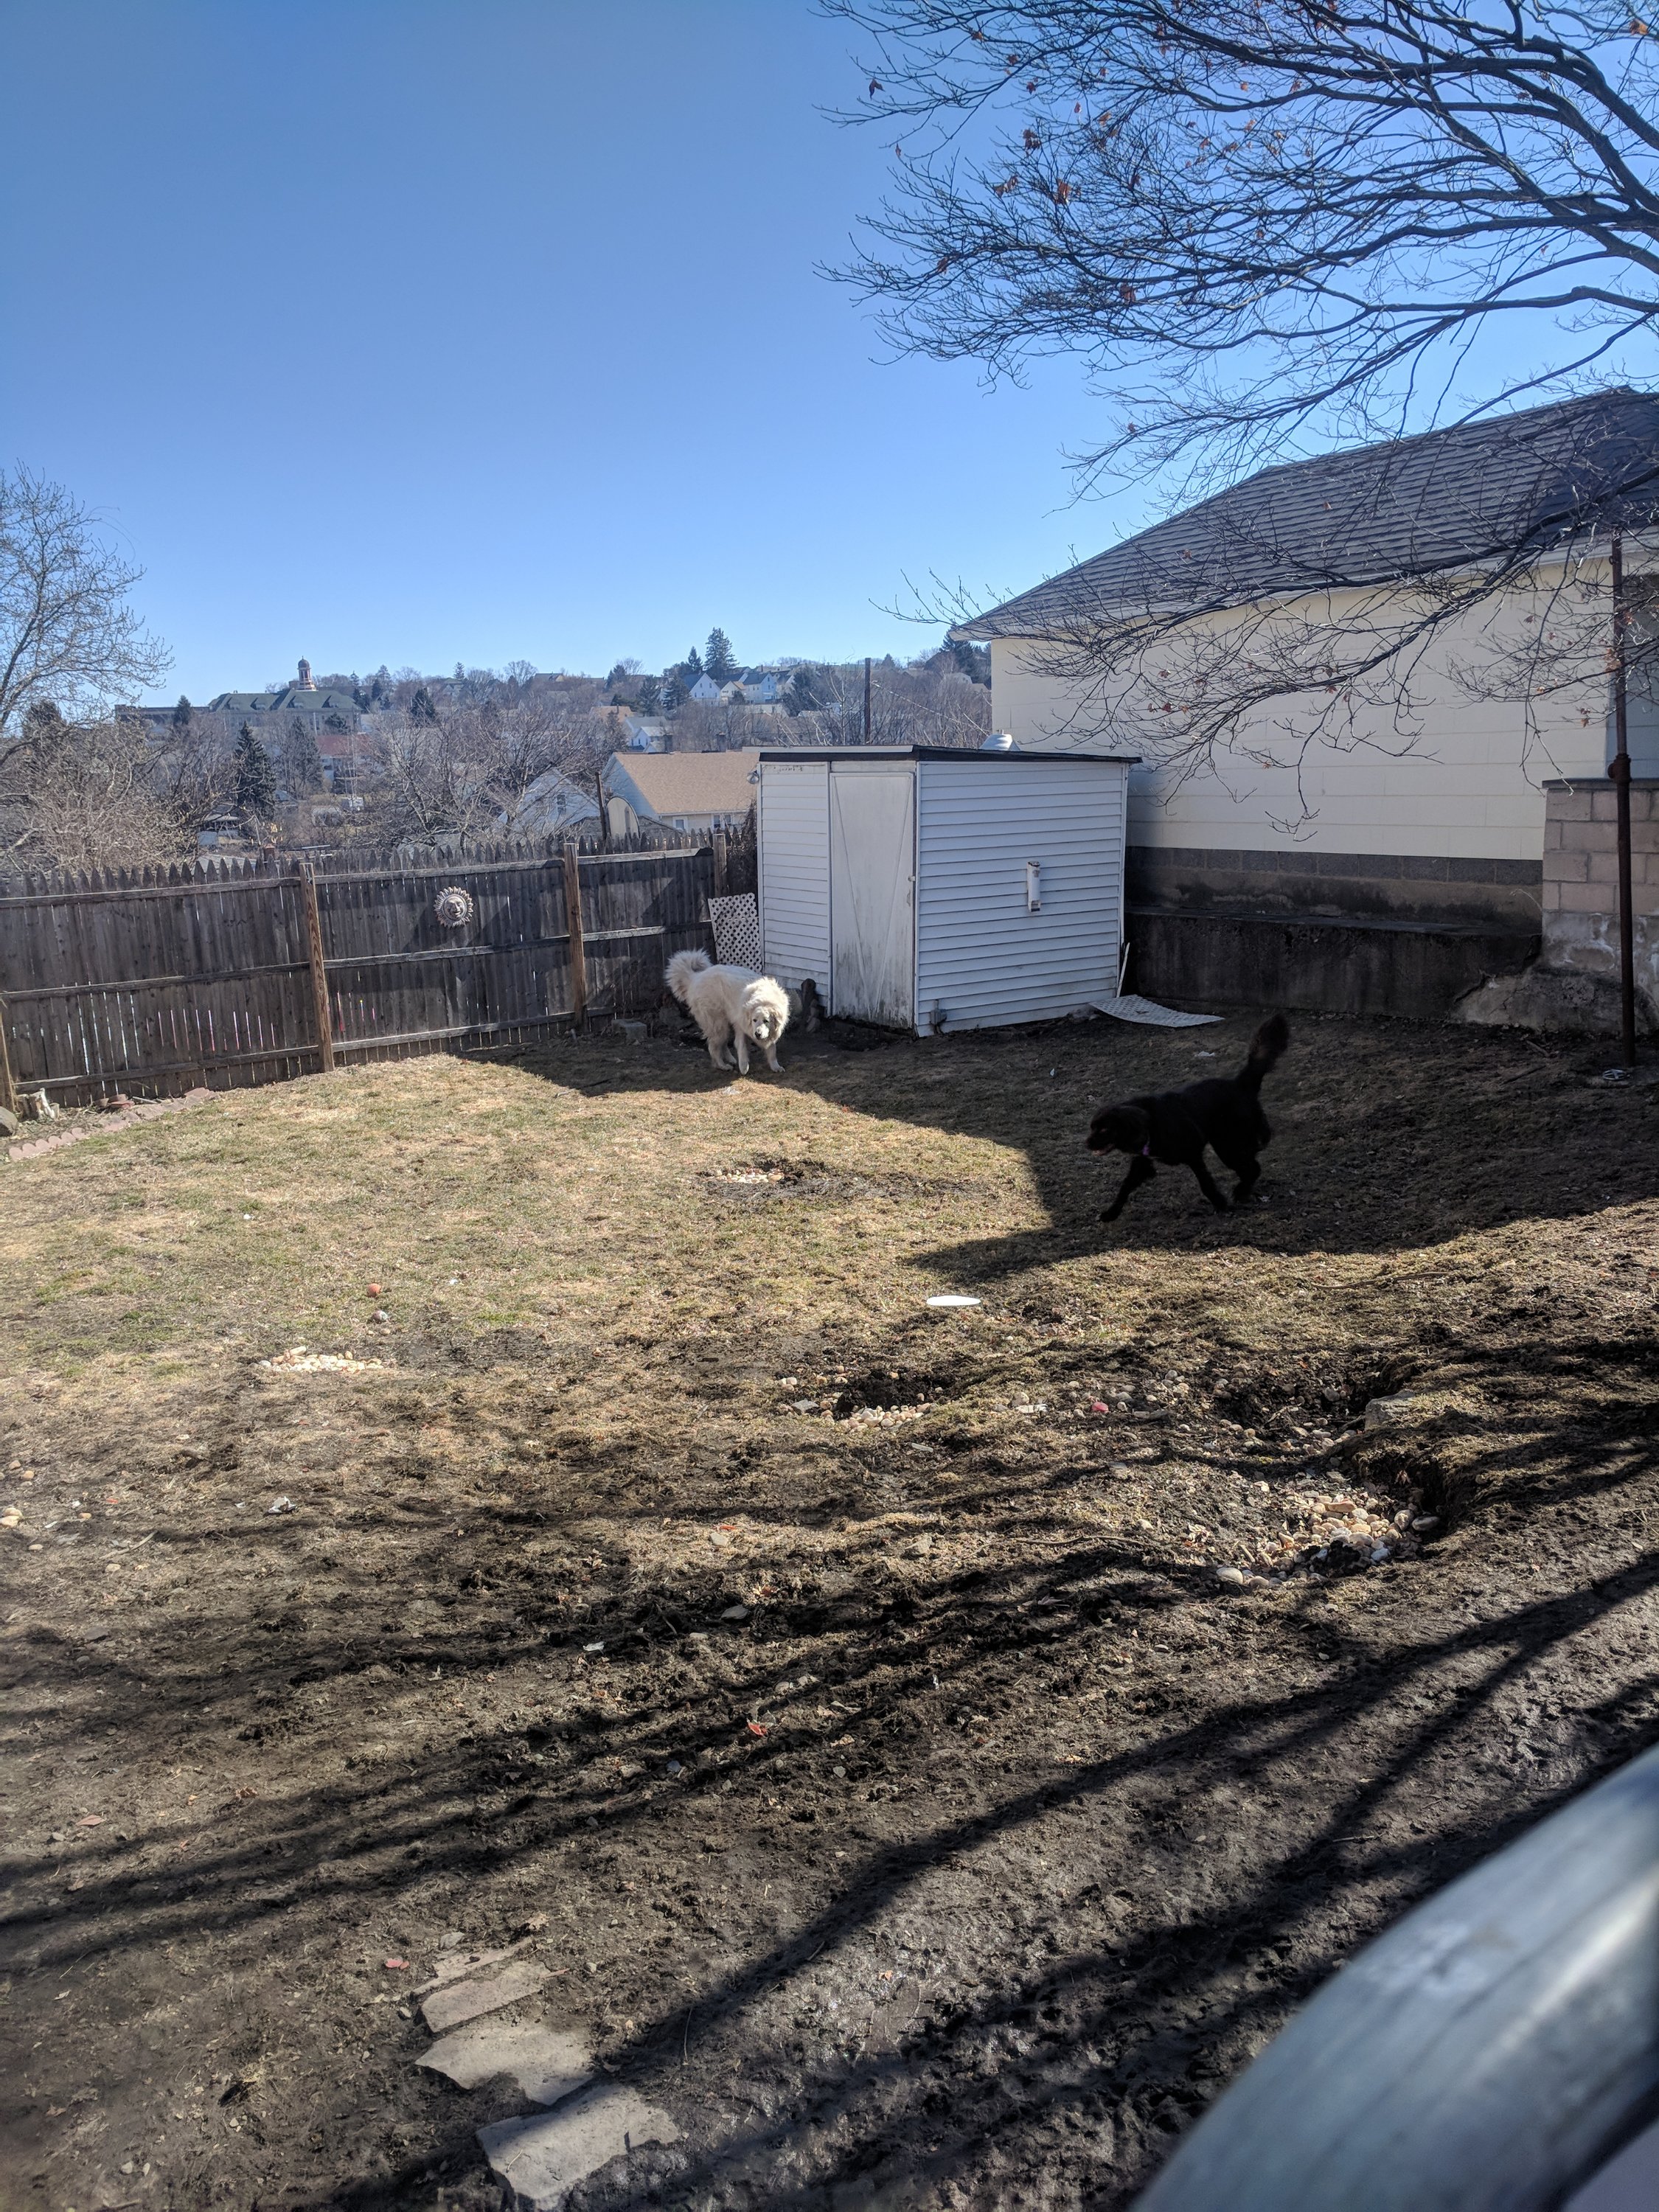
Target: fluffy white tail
point(682, 968)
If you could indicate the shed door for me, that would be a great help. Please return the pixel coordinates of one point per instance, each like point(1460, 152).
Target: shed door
point(794, 871)
point(872, 895)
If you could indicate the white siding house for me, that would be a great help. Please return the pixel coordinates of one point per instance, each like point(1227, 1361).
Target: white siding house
point(1426, 802)
point(934, 891)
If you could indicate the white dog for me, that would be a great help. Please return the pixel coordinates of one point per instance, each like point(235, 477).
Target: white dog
point(731, 1004)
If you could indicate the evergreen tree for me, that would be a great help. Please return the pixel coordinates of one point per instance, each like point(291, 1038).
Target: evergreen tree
point(256, 780)
point(649, 694)
point(691, 667)
point(303, 764)
point(674, 693)
point(718, 659)
point(184, 714)
point(421, 708)
point(800, 698)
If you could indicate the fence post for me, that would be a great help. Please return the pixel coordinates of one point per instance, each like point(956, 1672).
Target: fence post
point(319, 968)
point(8, 1088)
point(573, 913)
point(720, 864)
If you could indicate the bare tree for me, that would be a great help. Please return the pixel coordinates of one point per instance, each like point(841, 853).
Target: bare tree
point(1288, 220)
point(66, 634)
point(453, 779)
point(84, 796)
point(925, 702)
point(1268, 226)
point(192, 770)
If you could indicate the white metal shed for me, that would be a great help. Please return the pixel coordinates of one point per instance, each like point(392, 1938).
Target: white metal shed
point(929, 890)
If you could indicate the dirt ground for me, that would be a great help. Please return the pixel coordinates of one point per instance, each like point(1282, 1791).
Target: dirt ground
point(965, 1864)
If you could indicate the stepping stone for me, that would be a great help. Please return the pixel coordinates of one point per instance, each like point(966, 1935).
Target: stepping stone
point(457, 1963)
point(548, 2063)
point(542, 2160)
point(463, 2000)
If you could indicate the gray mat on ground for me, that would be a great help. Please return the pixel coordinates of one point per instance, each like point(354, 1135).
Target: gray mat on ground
point(542, 2159)
point(548, 2063)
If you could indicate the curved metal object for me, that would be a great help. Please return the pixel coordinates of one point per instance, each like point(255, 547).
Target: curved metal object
point(1488, 2055)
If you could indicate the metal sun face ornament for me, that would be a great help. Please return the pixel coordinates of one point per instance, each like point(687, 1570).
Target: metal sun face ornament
point(453, 908)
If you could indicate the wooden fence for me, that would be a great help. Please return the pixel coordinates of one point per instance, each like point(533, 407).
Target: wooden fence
point(232, 972)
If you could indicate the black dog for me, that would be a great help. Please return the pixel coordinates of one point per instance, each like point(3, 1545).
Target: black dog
point(1175, 1126)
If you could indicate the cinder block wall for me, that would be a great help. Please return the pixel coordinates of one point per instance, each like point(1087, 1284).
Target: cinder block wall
point(1581, 877)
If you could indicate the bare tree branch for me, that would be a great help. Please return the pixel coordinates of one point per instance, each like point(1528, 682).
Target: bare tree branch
point(67, 635)
point(1263, 225)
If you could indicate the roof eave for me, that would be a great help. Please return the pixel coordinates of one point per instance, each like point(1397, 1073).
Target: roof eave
point(1007, 622)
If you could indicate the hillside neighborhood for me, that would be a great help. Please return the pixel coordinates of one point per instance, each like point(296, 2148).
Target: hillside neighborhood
point(865, 1425)
point(412, 760)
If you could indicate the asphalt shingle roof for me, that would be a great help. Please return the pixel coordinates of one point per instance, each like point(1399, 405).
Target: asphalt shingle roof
point(293, 701)
point(688, 783)
point(1416, 506)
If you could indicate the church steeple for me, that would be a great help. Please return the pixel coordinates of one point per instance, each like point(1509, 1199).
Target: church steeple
point(307, 684)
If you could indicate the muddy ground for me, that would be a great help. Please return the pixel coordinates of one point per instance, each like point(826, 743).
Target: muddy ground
point(968, 1863)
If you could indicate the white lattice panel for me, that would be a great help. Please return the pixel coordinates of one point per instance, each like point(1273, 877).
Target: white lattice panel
point(736, 930)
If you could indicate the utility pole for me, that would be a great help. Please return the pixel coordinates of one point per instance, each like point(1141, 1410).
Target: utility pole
point(1618, 769)
point(866, 698)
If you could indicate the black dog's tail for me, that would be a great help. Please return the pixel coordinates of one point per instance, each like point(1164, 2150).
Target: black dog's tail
point(1266, 1049)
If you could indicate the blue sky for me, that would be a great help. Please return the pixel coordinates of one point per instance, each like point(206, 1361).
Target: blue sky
point(427, 331)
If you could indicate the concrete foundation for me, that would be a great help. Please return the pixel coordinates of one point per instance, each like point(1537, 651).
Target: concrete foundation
point(1409, 887)
point(1332, 965)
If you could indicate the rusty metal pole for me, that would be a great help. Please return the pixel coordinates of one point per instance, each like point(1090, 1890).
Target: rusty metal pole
point(866, 698)
point(1620, 771)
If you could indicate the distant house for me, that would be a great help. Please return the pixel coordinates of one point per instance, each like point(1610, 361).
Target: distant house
point(705, 688)
point(552, 804)
point(694, 791)
point(332, 717)
point(760, 689)
point(638, 733)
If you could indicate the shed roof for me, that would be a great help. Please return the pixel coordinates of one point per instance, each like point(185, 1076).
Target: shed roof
point(1413, 506)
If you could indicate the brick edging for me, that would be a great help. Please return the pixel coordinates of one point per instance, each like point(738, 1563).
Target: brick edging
point(148, 1109)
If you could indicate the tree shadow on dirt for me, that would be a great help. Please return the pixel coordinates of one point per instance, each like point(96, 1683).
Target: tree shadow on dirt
point(1118, 2006)
point(1082, 2063)
point(1389, 1135)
